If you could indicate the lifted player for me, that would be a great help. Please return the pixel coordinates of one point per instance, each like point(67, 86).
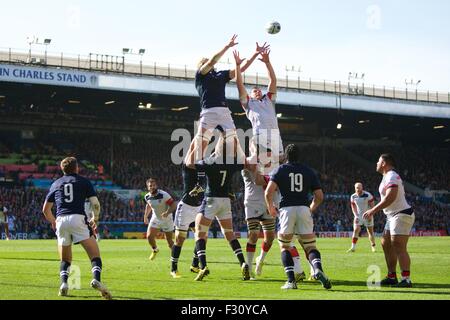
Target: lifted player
point(71, 224)
point(361, 201)
point(161, 206)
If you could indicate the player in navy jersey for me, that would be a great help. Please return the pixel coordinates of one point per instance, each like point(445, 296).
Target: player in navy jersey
point(210, 85)
point(68, 193)
point(296, 182)
point(219, 171)
point(185, 214)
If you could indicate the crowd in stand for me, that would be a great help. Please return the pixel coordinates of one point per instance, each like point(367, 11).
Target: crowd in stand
point(131, 161)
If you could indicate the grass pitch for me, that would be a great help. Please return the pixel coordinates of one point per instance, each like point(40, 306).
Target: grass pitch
point(30, 270)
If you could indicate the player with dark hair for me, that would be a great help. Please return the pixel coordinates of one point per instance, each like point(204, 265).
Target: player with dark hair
point(219, 169)
point(71, 224)
point(186, 212)
point(400, 219)
point(295, 182)
point(160, 206)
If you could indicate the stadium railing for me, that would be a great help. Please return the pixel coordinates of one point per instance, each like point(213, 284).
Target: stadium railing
point(118, 64)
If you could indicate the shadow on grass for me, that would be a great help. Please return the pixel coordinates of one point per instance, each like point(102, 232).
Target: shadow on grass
point(30, 259)
point(416, 289)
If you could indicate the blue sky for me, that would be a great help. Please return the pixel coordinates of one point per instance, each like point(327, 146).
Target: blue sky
point(387, 40)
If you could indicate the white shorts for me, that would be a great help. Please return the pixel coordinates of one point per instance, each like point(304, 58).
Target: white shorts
point(257, 212)
point(268, 141)
point(364, 222)
point(216, 207)
point(218, 116)
point(72, 228)
point(3, 219)
point(400, 224)
point(296, 220)
point(185, 215)
point(165, 225)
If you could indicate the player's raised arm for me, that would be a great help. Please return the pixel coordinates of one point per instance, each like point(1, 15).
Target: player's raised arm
point(268, 196)
point(205, 68)
point(272, 88)
point(317, 200)
point(248, 63)
point(47, 211)
point(243, 94)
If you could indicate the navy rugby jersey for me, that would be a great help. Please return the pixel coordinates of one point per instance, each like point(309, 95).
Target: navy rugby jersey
point(219, 176)
point(295, 182)
point(211, 88)
point(69, 194)
point(189, 182)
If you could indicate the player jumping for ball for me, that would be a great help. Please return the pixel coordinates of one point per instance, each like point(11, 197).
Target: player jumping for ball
point(210, 85)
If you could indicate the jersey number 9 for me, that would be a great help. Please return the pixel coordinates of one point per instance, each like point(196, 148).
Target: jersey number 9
point(68, 193)
point(296, 182)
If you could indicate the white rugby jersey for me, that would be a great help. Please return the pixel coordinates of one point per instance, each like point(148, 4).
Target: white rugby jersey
point(254, 194)
point(362, 202)
point(262, 114)
point(392, 180)
point(159, 202)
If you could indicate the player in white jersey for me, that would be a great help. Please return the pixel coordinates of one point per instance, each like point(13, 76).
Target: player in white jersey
point(257, 216)
point(260, 110)
point(400, 219)
point(361, 201)
point(161, 207)
point(4, 220)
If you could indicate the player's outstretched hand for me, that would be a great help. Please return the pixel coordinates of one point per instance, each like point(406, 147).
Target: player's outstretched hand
point(232, 41)
point(265, 56)
point(237, 58)
point(261, 49)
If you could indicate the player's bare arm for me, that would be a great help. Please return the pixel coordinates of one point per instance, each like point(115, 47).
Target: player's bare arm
point(391, 195)
point(169, 210)
point(95, 205)
point(249, 62)
point(317, 200)
point(243, 94)
point(208, 66)
point(354, 211)
point(272, 88)
point(47, 211)
point(272, 187)
point(147, 213)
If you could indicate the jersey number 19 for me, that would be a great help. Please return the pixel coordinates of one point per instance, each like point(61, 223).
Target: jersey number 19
point(296, 182)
